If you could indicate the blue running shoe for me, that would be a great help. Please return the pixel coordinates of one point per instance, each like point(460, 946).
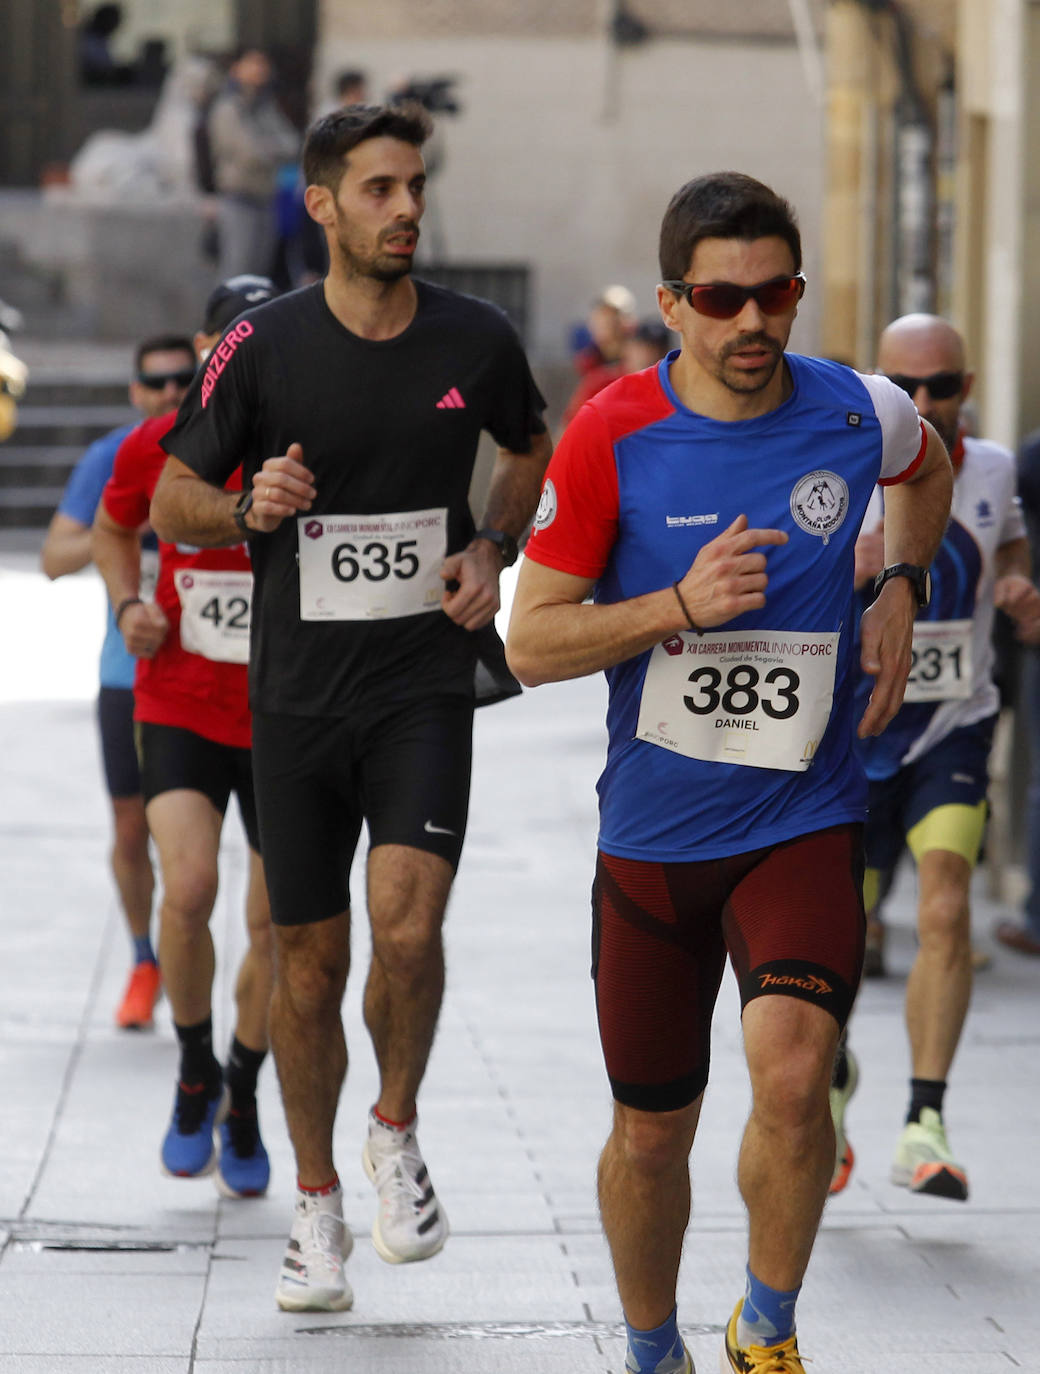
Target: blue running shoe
point(244, 1169)
point(189, 1149)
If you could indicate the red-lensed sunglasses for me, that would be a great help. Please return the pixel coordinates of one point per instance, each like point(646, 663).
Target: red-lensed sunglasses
point(722, 300)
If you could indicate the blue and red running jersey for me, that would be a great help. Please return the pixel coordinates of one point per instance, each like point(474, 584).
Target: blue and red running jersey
point(638, 485)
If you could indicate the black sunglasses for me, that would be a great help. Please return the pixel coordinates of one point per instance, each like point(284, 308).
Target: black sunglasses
point(722, 300)
point(155, 381)
point(940, 385)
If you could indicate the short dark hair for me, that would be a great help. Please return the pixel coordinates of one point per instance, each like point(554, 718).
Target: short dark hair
point(723, 205)
point(332, 137)
point(163, 343)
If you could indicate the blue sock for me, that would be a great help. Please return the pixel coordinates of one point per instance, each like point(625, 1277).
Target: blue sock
point(647, 1350)
point(767, 1317)
point(143, 951)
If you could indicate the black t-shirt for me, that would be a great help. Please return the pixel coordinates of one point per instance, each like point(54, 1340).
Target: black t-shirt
point(387, 426)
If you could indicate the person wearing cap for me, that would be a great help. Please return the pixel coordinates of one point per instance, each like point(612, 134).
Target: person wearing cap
point(163, 369)
point(194, 731)
point(357, 406)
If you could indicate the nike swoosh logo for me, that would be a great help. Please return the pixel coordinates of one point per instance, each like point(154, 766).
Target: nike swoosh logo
point(432, 829)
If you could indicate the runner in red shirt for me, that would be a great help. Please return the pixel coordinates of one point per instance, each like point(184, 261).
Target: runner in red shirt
point(194, 735)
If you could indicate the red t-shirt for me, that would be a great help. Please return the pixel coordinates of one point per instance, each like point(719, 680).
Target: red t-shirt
point(179, 687)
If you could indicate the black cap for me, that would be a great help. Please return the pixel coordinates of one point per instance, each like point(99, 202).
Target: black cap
point(233, 296)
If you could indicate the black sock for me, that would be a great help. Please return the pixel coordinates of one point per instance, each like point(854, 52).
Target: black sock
point(243, 1068)
point(198, 1062)
point(925, 1092)
point(840, 1071)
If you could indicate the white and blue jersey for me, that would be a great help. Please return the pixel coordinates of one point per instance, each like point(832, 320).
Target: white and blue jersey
point(741, 737)
point(951, 680)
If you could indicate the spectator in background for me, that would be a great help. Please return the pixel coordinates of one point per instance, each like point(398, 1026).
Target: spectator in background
point(97, 66)
point(645, 346)
point(1024, 938)
point(163, 372)
point(610, 320)
point(351, 88)
point(249, 140)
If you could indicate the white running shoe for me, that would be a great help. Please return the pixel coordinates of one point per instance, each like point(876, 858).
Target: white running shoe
point(844, 1155)
point(411, 1224)
point(924, 1162)
point(312, 1278)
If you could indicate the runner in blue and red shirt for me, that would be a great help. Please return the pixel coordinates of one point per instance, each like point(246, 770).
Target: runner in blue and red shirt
point(710, 506)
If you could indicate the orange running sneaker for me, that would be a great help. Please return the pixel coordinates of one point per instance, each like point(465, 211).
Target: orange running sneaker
point(139, 999)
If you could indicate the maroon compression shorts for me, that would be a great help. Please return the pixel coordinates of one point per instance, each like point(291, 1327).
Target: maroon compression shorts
point(790, 916)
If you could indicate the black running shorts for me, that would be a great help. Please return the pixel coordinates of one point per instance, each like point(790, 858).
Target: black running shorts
point(173, 758)
point(791, 918)
point(115, 709)
point(403, 769)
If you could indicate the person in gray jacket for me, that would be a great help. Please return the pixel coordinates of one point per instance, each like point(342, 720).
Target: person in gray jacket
point(249, 139)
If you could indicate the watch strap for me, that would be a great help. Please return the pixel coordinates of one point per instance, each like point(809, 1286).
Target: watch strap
point(242, 506)
point(504, 542)
point(915, 574)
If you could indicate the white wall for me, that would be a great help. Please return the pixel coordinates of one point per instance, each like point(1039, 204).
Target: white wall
point(568, 151)
point(187, 26)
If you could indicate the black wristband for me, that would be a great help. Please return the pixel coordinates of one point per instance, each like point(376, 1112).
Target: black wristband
point(682, 603)
point(125, 604)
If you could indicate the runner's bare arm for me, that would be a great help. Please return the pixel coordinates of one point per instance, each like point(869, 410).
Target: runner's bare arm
point(116, 549)
point(916, 512)
point(1013, 590)
point(553, 635)
point(187, 509)
point(516, 482)
point(66, 547)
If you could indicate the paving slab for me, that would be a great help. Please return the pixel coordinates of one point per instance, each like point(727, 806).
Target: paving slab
point(106, 1266)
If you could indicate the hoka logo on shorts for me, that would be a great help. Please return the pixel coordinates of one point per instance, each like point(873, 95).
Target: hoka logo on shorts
point(808, 982)
point(820, 502)
point(313, 529)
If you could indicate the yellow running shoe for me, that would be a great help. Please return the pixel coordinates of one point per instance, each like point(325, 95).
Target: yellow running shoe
point(758, 1359)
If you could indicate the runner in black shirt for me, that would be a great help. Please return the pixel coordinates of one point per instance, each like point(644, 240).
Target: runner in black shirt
point(373, 602)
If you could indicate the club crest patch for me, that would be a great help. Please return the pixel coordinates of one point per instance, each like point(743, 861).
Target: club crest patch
point(546, 512)
point(820, 503)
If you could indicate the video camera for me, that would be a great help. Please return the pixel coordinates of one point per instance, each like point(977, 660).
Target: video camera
point(434, 93)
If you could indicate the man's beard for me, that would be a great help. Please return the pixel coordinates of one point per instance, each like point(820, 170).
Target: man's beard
point(382, 267)
point(946, 432)
point(741, 382)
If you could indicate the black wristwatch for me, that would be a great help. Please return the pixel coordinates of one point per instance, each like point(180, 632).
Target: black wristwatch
point(505, 544)
point(919, 578)
point(242, 505)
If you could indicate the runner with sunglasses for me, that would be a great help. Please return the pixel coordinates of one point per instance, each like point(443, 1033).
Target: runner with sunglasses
point(928, 772)
point(194, 734)
point(163, 369)
point(710, 507)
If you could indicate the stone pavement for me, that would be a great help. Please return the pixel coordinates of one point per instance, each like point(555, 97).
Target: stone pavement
point(107, 1267)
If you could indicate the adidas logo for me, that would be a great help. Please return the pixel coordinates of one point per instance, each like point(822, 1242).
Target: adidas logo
point(451, 400)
